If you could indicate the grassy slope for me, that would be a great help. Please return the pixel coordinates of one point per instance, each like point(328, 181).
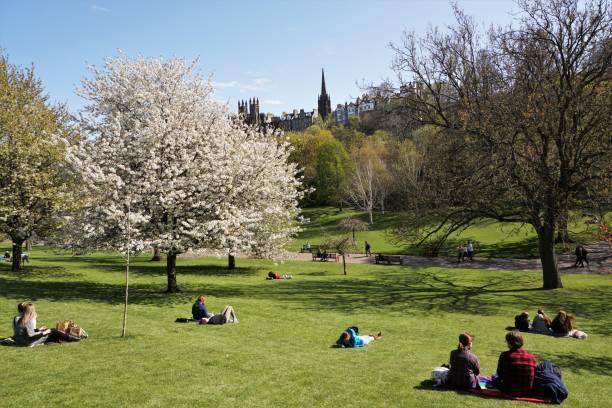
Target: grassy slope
point(493, 238)
point(280, 355)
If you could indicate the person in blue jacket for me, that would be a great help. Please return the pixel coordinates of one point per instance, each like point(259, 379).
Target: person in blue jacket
point(351, 338)
point(198, 310)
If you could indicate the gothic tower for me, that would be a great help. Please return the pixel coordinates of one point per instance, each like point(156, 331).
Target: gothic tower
point(324, 100)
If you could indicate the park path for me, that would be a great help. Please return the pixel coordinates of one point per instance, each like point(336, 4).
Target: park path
point(600, 261)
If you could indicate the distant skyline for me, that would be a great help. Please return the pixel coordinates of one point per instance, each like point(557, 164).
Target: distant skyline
point(272, 50)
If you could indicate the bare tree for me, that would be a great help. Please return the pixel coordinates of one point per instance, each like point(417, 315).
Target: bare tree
point(343, 246)
point(352, 224)
point(368, 181)
point(523, 113)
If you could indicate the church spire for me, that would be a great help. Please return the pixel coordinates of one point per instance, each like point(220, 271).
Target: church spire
point(323, 90)
point(324, 99)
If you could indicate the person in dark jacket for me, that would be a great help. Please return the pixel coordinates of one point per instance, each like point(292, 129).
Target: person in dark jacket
point(547, 382)
point(198, 310)
point(464, 365)
point(583, 256)
point(521, 321)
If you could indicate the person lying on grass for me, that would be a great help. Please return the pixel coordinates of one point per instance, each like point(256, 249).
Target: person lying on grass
point(227, 315)
point(274, 275)
point(464, 365)
point(201, 314)
point(350, 338)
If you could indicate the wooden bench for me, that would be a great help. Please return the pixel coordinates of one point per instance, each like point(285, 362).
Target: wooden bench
point(389, 259)
point(325, 256)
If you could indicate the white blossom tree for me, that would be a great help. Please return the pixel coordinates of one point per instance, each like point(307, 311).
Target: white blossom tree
point(192, 177)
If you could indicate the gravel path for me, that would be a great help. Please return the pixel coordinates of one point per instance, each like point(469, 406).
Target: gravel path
point(600, 261)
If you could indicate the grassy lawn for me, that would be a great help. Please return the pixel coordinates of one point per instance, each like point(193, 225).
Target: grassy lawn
point(279, 355)
point(492, 238)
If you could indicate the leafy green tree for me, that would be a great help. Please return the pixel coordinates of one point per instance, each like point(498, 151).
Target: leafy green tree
point(331, 167)
point(36, 183)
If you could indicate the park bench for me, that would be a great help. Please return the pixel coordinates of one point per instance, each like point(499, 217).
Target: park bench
point(324, 256)
point(389, 259)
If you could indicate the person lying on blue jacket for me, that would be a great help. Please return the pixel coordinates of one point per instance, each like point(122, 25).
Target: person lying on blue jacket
point(350, 338)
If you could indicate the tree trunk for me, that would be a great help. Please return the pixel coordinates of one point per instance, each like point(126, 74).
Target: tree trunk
point(546, 246)
point(353, 234)
point(16, 261)
point(370, 215)
point(562, 234)
point(28, 244)
point(231, 262)
point(156, 254)
point(344, 264)
point(171, 272)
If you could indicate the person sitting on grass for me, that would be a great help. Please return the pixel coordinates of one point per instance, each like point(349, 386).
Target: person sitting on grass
point(521, 321)
point(24, 327)
point(564, 325)
point(516, 367)
point(350, 338)
point(274, 275)
point(198, 310)
point(541, 323)
point(227, 315)
point(464, 365)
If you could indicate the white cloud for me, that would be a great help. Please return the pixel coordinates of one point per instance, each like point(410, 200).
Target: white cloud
point(222, 85)
point(255, 84)
point(273, 102)
point(95, 7)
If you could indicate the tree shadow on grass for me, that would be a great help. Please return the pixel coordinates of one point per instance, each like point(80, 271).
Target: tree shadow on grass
point(40, 271)
point(600, 365)
point(403, 290)
point(113, 294)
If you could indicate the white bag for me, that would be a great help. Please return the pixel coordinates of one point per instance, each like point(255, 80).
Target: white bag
point(439, 375)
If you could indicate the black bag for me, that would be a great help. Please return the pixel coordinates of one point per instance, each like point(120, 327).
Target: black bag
point(184, 320)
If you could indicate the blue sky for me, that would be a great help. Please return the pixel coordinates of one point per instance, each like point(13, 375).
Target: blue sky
point(273, 50)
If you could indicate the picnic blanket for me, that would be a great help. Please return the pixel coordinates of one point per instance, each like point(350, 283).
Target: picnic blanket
point(495, 393)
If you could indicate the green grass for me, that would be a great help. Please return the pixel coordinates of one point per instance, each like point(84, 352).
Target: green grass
point(279, 355)
point(495, 239)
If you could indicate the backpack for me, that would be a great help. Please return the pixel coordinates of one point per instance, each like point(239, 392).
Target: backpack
point(70, 328)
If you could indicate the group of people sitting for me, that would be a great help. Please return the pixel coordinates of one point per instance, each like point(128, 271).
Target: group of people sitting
point(25, 332)
point(517, 373)
point(563, 325)
point(7, 257)
point(201, 314)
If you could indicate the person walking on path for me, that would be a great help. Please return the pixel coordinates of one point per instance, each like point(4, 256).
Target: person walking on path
point(578, 253)
point(460, 253)
point(368, 249)
point(583, 256)
point(470, 251)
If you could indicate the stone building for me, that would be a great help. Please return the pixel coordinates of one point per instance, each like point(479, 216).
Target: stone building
point(361, 106)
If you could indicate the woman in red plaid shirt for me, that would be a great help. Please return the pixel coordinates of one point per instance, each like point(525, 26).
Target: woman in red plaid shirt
point(516, 367)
